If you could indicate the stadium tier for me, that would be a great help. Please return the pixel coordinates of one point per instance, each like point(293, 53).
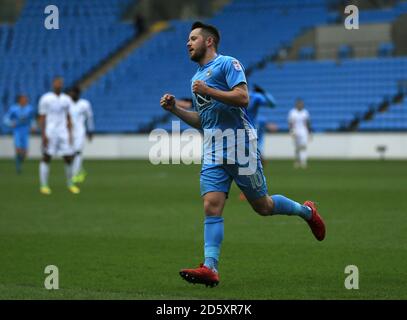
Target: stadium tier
point(383, 15)
point(126, 98)
point(393, 119)
point(89, 31)
point(333, 92)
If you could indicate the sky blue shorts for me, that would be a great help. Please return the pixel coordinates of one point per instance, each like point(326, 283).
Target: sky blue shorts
point(219, 177)
point(21, 137)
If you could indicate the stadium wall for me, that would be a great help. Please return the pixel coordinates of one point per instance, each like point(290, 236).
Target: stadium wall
point(364, 41)
point(277, 146)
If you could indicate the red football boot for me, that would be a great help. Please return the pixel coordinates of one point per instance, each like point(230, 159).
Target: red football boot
point(202, 275)
point(316, 223)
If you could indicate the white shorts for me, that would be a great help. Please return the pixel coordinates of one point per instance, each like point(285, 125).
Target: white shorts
point(300, 140)
point(79, 142)
point(59, 145)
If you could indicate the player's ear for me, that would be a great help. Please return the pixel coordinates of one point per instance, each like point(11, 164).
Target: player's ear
point(210, 41)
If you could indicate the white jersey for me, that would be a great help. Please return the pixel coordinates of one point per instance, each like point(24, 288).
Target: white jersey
point(55, 108)
point(81, 111)
point(298, 119)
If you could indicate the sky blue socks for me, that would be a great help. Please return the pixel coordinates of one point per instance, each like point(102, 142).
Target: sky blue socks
point(213, 228)
point(285, 206)
point(19, 161)
point(213, 236)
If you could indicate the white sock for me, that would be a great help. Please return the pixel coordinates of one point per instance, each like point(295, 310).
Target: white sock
point(303, 158)
point(297, 155)
point(44, 173)
point(68, 174)
point(77, 164)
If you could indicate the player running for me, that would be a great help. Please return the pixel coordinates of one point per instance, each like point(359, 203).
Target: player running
point(83, 125)
point(300, 128)
point(56, 131)
point(20, 117)
point(220, 98)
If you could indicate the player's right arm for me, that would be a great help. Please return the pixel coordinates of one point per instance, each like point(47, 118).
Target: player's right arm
point(42, 111)
point(192, 118)
point(41, 124)
point(8, 119)
point(291, 123)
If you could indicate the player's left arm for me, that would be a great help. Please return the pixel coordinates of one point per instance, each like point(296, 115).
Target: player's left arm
point(237, 97)
point(69, 126)
point(266, 98)
point(308, 123)
point(90, 124)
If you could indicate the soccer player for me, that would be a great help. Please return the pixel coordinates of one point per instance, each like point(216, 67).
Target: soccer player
point(220, 98)
point(56, 131)
point(20, 117)
point(83, 125)
point(300, 128)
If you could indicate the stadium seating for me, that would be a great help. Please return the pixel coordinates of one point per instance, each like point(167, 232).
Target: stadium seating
point(31, 55)
point(393, 119)
point(383, 15)
point(127, 98)
point(334, 93)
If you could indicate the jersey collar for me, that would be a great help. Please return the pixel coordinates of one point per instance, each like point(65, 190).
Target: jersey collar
point(210, 62)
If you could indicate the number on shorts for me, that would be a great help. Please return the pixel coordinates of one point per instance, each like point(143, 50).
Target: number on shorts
point(256, 180)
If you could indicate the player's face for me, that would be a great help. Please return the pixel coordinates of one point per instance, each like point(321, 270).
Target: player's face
point(22, 101)
point(58, 84)
point(300, 105)
point(74, 95)
point(196, 45)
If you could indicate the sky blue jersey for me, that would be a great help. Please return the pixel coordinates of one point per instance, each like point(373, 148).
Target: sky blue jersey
point(21, 117)
point(222, 73)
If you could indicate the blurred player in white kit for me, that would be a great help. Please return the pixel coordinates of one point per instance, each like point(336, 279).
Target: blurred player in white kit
point(300, 129)
point(83, 125)
point(56, 132)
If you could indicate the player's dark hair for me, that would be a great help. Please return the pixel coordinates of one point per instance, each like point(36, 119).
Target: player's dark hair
point(208, 30)
point(19, 96)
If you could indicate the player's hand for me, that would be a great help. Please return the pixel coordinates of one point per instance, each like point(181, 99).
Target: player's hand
point(167, 101)
point(200, 87)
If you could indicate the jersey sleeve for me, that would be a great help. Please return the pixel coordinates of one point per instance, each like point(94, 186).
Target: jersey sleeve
point(290, 117)
point(8, 117)
point(89, 117)
point(256, 98)
point(234, 73)
point(42, 106)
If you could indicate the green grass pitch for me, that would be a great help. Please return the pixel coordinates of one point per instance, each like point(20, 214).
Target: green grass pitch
point(135, 225)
